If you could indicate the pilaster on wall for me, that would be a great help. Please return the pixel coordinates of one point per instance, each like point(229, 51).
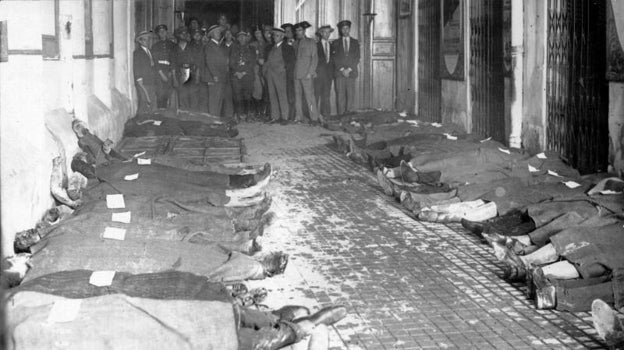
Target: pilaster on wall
point(534, 101)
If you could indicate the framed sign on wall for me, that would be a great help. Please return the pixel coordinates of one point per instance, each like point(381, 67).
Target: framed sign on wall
point(452, 40)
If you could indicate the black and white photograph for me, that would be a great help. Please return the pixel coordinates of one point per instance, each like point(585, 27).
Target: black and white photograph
point(311, 174)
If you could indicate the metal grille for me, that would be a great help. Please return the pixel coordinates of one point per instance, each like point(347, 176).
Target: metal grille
point(429, 84)
point(487, 80)
point(577, 92)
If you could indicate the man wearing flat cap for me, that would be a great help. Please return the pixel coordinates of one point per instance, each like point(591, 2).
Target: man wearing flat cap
point(324, 71)
point(346, 52)
point(162, 52)
point(280, 59)
point(305, 72)
point(144, 73)
point(289, 39)
point(215, 69)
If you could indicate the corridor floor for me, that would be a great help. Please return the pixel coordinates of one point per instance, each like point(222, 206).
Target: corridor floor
point(408, 285)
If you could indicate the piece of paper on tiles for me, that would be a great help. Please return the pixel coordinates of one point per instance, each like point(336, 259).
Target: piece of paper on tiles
point(437, 125)
point(504, 150)
point(157, 122)
point(532, 169)
point(65, 310)
point(402, 114)
point(541, 156)
point(142, 161)
point(139, 154)
point(131, 177)
point(572, 184)
point(122, 217)
point(609, 192)
point(102, 278)
point(550, 172)
point(485, 140)
point(115, 201)
point(114, 233)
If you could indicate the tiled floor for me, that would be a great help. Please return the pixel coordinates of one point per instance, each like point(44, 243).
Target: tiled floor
point(408, 285)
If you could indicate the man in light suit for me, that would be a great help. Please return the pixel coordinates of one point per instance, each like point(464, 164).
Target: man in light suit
point(144, 73)
point(215, 71)
point(324, 71)
point(280, 59)
point(346, 52)
point(305, 71)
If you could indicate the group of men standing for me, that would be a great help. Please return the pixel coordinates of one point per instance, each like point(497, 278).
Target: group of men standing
point(207, 71)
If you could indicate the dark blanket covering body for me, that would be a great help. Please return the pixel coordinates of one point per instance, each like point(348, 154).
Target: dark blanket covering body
point(157, 180)
point(143, 125)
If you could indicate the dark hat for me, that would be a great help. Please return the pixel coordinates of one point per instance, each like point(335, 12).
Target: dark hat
point(278, 30)
point(304, 25)
point(159, 27)
point(267, 27)
point(286, 25)
point(180, 30)
point(325, 27)
point(344, 23)
point(213, 27)
point(242, 33)
point(143, 33)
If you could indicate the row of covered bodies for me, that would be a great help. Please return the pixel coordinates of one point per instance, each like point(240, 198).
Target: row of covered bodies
point(150, 250)
point(558, 231)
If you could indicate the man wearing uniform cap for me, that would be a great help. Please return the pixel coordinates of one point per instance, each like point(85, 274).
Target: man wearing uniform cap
point(305, 71)
point(289, 38)
point(215, 69)
point(144, 74)
point(324, 71)
point(346, 52)
point(162, 53)
point(280, 59)
point(187, 61)
point(197, 48)
point(242, 68)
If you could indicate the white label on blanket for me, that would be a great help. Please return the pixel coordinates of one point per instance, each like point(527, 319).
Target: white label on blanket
point(485, 140)
point(122, 217)
point(102, 278)
point(541, 156)
point(142, 161)
point(609, 192)
point(64, 310)
point(139, 154)
point(532, 169)
point(450, 137)
point(437, 125)
point(131, 177)
point(115, 233)
point(157, 122)
point(504, 150)
point(572, 184)
point(115, 201)
point(550, 172)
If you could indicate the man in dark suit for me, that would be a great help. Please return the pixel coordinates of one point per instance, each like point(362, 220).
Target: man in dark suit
point(144, 73)
point(215, 70)
point(324, 71)
point(279, 64)
point(289, 39)
point(346, 52)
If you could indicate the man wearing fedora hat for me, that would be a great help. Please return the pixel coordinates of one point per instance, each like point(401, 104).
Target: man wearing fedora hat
point(188, 61)
point(215, 69)
point(289, 39)
point(324, 71)
point(305, 71)
point(162, 52)
point(346, 52)
point(280, 59)
point(242, 68)
point(144, 74)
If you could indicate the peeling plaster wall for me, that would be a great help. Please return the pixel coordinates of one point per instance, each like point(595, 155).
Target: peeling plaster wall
point(534, 103)
point(37, 97)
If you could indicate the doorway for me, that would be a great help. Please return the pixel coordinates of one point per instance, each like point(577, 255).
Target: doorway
point(576, 88)
point(429, 83)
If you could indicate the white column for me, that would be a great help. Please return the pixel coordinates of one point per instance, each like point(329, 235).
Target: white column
point(517, 55)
